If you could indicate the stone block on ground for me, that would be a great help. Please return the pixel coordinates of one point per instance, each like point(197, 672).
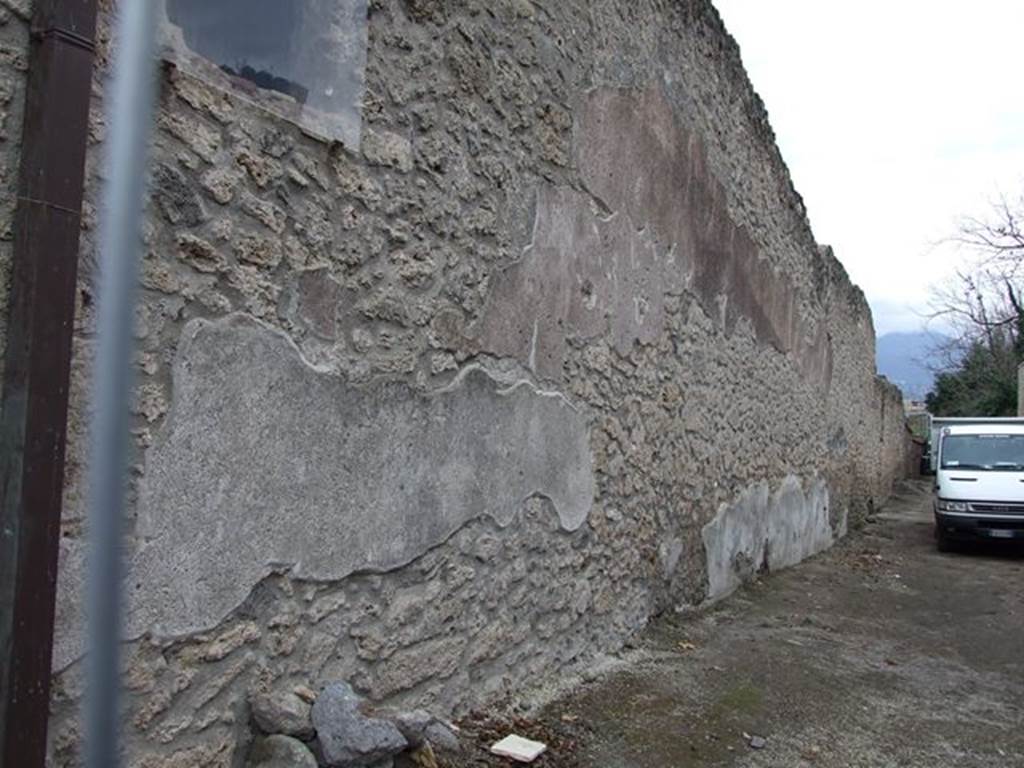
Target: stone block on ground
point(519, 749)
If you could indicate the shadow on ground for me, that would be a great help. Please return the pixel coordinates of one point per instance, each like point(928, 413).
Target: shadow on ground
point(881, 652)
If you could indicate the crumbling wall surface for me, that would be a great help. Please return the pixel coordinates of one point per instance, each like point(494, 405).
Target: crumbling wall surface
point(552, 350)
point(765, 531)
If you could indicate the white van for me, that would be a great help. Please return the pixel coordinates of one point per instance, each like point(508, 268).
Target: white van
point(979, 483)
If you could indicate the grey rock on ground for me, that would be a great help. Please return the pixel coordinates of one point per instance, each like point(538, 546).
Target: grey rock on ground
point(420, 727)
point(441, 736)
point(412, 725)
point(282, 712)
point(348, 738)
point(280, 752)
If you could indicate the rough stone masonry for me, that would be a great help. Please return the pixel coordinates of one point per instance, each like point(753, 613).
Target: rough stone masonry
point(548, 350)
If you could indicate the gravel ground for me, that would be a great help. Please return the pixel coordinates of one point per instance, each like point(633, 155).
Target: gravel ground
point(881, 652)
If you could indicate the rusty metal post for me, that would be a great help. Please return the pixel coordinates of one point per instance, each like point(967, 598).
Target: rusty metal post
point(33, 414)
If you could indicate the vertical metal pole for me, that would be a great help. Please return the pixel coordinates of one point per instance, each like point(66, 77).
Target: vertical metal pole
point(130, 119)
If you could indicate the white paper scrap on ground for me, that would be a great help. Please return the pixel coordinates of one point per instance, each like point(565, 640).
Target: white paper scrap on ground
point(518, 748)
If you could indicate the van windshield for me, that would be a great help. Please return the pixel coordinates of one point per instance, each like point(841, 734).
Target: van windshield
point(989, 453)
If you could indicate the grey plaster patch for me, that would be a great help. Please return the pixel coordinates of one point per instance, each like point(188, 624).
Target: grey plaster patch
point(268, 463)
point(764, 529)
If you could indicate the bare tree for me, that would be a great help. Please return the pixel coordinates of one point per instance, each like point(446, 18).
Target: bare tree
point(983, 300)
point(999, 238)
point(982, 304)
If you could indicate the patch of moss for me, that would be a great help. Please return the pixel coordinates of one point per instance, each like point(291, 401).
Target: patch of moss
point(740, 699)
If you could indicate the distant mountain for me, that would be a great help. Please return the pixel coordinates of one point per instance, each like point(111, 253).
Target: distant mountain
point(903, 358)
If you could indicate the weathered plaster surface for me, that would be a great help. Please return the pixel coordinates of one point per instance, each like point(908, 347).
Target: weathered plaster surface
point(268, 464)
point(661, 179)
point(652, 221)
point(764, 530)
point(587, 273)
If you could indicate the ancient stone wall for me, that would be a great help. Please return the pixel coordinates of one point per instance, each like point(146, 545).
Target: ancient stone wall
point(550, 351)
point(895, 440)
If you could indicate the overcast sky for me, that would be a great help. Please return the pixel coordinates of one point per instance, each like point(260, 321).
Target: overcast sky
point(896, 118)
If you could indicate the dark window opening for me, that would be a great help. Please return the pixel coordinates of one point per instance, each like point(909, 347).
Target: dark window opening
point(251, 39)
point(301, 59)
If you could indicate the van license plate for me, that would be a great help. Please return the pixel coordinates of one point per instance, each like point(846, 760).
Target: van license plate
point(1000, 533)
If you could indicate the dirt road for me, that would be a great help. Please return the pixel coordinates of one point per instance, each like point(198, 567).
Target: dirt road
point(881, 652)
